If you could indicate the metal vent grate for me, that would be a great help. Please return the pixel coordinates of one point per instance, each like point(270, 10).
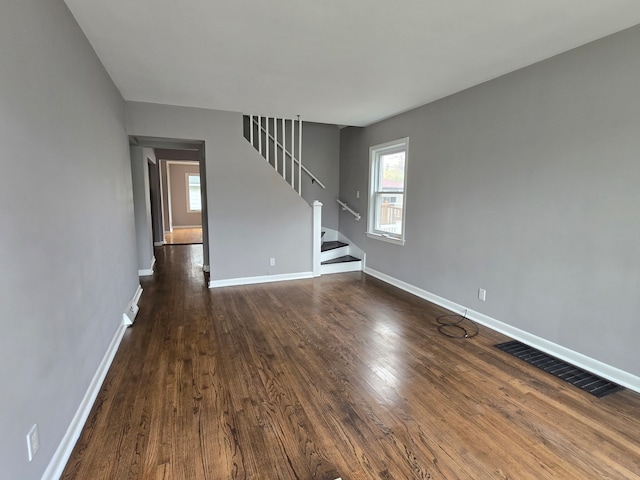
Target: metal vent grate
point(582, 379)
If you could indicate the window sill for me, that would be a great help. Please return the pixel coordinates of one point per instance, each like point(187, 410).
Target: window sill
point(386, 238)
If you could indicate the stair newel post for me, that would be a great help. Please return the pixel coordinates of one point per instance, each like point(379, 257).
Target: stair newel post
point(299, 156)
point(317, 237)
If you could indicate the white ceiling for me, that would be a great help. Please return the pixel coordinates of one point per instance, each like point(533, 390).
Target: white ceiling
point(349, 62)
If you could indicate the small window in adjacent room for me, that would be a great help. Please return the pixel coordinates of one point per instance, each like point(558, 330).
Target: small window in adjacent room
point(194, 203)
point(387, 190)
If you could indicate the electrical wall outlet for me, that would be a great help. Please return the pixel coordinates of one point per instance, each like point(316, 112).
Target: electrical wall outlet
point(272, 262)
point(33, 442)
point(482, 294)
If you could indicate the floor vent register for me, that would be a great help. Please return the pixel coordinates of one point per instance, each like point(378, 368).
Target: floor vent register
point(576, 376)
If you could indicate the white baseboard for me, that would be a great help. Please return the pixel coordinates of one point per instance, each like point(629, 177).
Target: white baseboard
point(264, 279)
point(158, 244)
point(129, 316)
point(178, 227)
point(148, 271)
point(205, 268)
point(63, 452)
point(621, 377)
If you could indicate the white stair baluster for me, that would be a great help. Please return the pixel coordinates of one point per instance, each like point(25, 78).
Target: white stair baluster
point(299, 156)
point(293, 149)
point(267, 141)
point(260, 135)
point(275, 143)
point(268, 131)
point(284, 151)
point(251, 131)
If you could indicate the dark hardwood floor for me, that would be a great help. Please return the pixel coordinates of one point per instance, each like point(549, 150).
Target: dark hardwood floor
point(340, 376)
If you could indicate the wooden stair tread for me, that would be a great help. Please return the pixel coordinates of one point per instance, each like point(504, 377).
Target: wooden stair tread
point(326, 246)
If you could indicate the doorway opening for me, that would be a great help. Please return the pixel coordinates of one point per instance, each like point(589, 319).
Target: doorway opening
point(182, 201)
point(177, 193)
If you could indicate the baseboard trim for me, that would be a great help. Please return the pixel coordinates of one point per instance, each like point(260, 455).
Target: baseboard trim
point(264, 279)
point(621, 377)
point(158, 244)
point(63, 452)
point(149, 271)
point(129, 316)
point(178, 227)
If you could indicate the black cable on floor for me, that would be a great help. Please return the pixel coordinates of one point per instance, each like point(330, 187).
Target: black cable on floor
point(467, 328)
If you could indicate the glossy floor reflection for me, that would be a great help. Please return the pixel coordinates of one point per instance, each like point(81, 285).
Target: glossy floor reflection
point(338, 376)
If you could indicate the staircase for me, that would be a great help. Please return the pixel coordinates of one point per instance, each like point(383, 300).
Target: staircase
point(337, 256)
point(279, 142)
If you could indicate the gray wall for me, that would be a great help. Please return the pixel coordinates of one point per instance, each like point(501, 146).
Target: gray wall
point(253, 215)
point(67, 269)
point(179, 208)
point(140, 158)
point(321, 155)
point(527, 186)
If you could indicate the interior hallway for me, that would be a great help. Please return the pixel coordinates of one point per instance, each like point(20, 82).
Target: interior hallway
point(336, 376)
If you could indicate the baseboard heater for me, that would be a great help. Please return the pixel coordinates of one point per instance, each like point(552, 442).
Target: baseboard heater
point(576, 376)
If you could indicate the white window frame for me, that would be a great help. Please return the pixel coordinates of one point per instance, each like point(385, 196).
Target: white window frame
point(186, 178)
point(375, 153)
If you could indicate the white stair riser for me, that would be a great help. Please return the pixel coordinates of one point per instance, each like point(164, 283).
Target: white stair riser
point(335, 253)
point(341, 267)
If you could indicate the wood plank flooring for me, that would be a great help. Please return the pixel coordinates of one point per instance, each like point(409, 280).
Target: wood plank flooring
point(340, 376)
point(183, 236)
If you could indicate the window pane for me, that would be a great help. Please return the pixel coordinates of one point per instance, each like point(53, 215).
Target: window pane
point(387, 184)
point(389, 212)
point(194, 192)
point(391, 173)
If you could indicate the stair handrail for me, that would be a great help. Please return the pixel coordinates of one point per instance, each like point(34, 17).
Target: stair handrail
point(286, 152)
point(349, 209)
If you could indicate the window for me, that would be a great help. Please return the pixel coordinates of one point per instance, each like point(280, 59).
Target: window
point(387, 190)
point(194, 203)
